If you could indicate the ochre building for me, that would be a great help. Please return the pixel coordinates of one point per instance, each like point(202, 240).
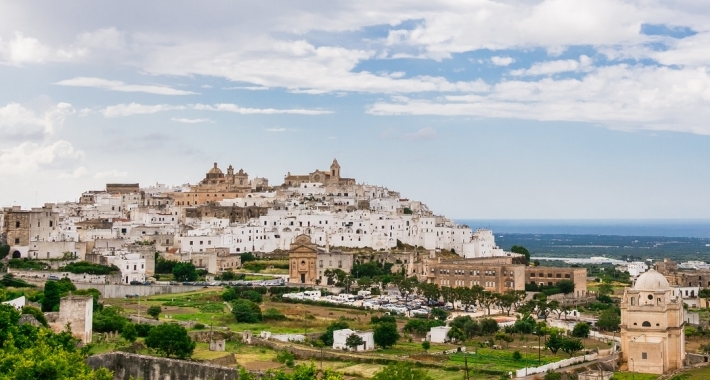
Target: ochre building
point(652, 325)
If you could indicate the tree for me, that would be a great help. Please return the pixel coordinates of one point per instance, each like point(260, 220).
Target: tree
point(429, 291)
point(605, 289)
point(51, 296)
point(229, 295)
point(353, 341)
point(327, 337)
point(401, 371)
point(517, 356)
point(609, 320)
point(455, 334)
point(252, 296)
point(129, 332)
point(554, 342)
point(154, 311)
point(507, 300)
point(566, 286)
point(185, 272)
point(439, 313)
point(521, 250)
point(246, 257)
point(581, 330)
point(170, 339)
point(489, 326)
point(386, 335)
point(503, 337)
point(486, 299)
point(572, 346)
point(426, 345)
point(109, 319)
point(552, 375)
point(4, 251)
point(407, 285)
point(246, 311)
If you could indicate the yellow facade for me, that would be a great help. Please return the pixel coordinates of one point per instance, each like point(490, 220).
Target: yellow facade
point(652, 326)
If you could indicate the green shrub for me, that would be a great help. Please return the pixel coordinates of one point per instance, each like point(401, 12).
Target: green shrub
point(272, 314)
point(199, 326)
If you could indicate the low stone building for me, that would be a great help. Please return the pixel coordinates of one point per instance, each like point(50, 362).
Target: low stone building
point(550, 276)
point(496, 274)
point(78, 312)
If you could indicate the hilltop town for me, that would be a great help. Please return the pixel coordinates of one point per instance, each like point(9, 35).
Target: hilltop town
point(263, 263)
point(229, 213)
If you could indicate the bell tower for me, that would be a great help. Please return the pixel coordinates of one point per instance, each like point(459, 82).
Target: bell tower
point(335, 170)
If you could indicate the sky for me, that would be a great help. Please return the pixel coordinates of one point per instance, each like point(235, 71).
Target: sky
point(556, 109)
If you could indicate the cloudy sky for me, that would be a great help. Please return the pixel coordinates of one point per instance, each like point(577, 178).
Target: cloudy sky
point(482, 109)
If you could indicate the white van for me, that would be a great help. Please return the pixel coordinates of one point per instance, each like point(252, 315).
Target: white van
point(364, 293)
point(313, 295)
point(346, 297)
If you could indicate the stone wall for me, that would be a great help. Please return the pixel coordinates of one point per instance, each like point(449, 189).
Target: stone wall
point(692, 359)
point(126, 366)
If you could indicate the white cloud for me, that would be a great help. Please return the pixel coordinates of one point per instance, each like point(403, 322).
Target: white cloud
point(115, 85)
point(18, 120)
point(77, 173)
point(122, 110)
point(555, 67)
point(621, 97)
point(250, 88)
point(28, 157)
point(427, 133)
point(110, 174)
point(502, 61)
point(21, 50)
point(191, 121)
point(275, 129)
point(252, 111)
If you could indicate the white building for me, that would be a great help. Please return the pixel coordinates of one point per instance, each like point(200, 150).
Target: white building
point(438, 334)
point(17, 303)
point(132, 266)
point(636, 268)
point(340, 336)
point(689, 294)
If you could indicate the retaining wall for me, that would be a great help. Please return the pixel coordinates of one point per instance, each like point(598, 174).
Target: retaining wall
point(126, 366)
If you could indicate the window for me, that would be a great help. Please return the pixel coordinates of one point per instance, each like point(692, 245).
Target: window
point(567, 276)
point(646, 324)
point(650, 297)
point(17, 224)
point(17, 240)
point(532, 274)
point(644, 356)
point(633, 301)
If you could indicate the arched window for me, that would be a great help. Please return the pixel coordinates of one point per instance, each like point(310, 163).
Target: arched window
point(646, 324)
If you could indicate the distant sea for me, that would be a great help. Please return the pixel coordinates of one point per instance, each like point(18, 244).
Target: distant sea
point(691, 228)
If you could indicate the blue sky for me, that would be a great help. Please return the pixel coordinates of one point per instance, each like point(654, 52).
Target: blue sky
point(482, 109)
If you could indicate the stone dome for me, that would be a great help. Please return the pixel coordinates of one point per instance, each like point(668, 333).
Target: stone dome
point(652, 281)
point(215, 170)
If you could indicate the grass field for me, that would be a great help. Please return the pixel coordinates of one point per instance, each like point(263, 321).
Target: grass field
point(206, 306)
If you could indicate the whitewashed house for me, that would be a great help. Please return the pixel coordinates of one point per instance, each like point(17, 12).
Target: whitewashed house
point(438, 334)
point(340, 336)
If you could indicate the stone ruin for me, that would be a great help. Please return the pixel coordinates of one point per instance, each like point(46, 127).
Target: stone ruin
point(217, 345)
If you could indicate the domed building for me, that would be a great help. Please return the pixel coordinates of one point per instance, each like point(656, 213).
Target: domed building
point(652, 325)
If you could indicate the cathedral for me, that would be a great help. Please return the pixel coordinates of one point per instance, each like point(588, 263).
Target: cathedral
point(331, 177)
point(652, 326)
